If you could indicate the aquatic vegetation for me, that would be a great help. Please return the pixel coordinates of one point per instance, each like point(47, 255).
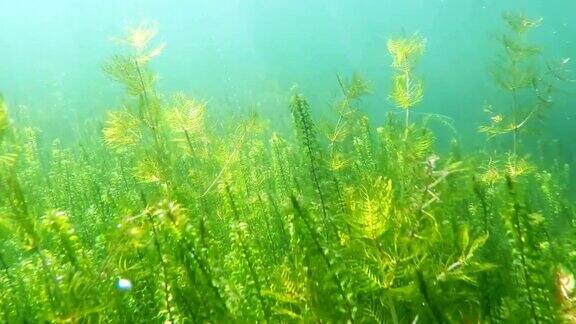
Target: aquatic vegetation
point(121, 132)
point(530, 87)
point(407, 89)
point(3, 117)
point(164, 216)
point(7, 158)
point(533, 252)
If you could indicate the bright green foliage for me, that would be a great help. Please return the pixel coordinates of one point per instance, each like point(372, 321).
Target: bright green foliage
point(406, 88)
point(370, 215)
point(165, 217)
point(3, 118)
point(122, 131)
point(7, 156)
point(186, 119)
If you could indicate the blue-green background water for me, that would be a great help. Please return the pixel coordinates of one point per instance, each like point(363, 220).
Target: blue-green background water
point(243, 55)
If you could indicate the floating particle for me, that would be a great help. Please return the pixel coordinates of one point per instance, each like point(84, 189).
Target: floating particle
point(124, 284)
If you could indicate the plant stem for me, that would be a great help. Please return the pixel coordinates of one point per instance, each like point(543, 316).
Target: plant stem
point(164, 268)
point(323, 254)
point(407, 124)
point(423, 288)
point(520, 245)
point(407, 108)
point(514, 120)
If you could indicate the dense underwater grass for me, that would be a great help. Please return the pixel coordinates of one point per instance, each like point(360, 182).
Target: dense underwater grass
point(160, 218)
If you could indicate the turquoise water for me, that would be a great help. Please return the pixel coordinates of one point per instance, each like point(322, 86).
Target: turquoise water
point(243, 55)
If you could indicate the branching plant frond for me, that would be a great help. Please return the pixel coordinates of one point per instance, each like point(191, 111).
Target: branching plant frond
point(122, 131)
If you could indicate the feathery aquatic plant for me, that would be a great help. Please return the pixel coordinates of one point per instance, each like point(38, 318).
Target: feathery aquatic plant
point(519, 73)
point(3, 118)
point(162, 215)
point(407, 89)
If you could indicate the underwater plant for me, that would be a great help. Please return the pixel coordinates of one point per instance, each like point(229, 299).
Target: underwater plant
point(407, 89)
point(519, 72)
point(162, 215)
point(531, 255)
point(7, 159)
point(3, 117)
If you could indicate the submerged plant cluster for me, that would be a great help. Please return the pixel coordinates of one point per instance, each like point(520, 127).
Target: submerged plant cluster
point(159, 218)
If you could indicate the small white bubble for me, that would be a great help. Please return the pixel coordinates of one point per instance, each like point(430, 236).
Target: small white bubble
point(124, 284)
